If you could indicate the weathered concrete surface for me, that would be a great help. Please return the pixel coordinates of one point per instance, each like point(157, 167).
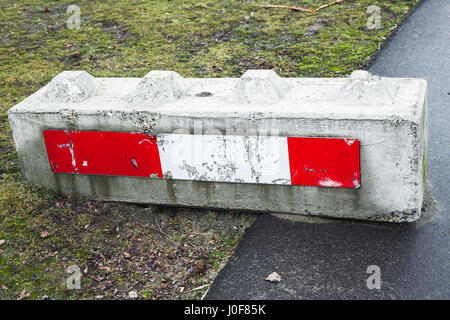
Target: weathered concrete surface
point(387, 116)
point(329, 260)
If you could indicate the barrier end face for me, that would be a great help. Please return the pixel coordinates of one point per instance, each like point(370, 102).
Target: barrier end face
point(70, 86)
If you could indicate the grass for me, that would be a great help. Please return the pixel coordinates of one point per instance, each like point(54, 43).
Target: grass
point(159, 252)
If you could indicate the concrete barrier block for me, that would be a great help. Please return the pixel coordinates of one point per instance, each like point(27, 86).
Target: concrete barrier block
point(347, 147)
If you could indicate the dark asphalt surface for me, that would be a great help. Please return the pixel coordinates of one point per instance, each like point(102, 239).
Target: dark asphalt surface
point(329, 260)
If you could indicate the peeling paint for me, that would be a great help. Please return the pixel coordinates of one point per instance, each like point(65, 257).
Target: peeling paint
point(109, 153)
point(216, 158)
point(72, 153)
point(329, 183)
point(349, 141)
point(134, 163)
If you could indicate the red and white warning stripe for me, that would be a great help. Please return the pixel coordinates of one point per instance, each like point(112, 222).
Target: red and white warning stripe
point(326, 162)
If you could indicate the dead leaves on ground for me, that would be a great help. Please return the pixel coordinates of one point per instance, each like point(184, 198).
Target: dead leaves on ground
point(44, 234)
point(119, 251)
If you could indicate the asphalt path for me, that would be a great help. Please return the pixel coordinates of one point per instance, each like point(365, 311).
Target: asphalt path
point(328, 259)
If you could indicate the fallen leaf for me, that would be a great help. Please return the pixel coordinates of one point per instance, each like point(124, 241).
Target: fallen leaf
point(200, 267)
point(44, 234)
point(23, 295)
point(5, 288)
point(105, 268)
point(132, 294)
point(273, 277)
point(77, 54)
point(2, 241)
point(47, 9)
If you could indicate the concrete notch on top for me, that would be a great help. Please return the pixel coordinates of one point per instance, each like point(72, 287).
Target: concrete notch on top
point(365, 88)
point(160, 86)
point(260, 86)
point(70, 86)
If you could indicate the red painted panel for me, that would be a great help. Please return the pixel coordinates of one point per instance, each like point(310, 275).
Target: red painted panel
point(107, 153)
point(325, 162)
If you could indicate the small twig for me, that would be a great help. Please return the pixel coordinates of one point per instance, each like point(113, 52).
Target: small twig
point(204, 295)
point(165, 234)
point(297, 8)
point(156, 219)
point(201, 233)
point(178, 278)
point(134, 285)
point(199, 288)
point(159, 230)
point(147, 226)
point(327, 5)
point(280, 6)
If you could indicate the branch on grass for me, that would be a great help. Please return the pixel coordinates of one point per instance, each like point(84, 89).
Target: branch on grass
point(297, 8)
point(156, 219)
point(200, 288)
point(159, 230)
point(328, 4)
point(165, 234)
point(204, 295)
point(280, 6)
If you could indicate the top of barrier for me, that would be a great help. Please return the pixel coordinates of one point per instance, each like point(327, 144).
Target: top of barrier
point(264, 90)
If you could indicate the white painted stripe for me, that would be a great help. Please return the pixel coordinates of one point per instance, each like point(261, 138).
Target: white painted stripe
point(225, 158)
